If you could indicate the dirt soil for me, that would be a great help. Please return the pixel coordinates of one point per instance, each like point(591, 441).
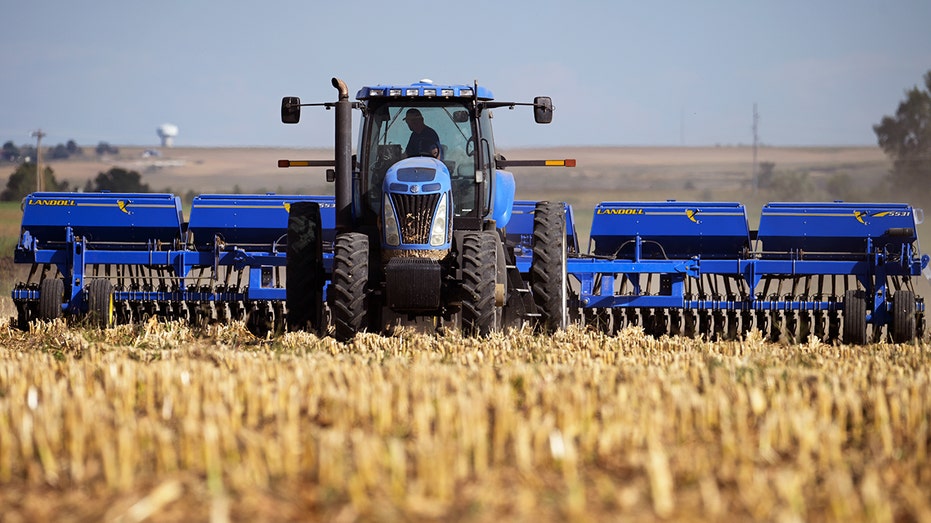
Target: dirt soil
point(621, 168)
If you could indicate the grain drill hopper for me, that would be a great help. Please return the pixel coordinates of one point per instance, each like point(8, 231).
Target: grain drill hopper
point(123, 258)
point(838, 271)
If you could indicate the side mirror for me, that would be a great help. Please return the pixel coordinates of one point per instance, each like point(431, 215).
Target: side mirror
point(290, 109)
point(543, 109)
point(461, 116)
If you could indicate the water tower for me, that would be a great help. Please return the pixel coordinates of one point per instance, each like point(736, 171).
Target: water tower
point(167, 133)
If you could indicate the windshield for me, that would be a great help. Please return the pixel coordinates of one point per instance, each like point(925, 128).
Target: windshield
point(441, 130)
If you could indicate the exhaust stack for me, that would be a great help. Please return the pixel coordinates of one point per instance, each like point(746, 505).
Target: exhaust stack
point(343, 189)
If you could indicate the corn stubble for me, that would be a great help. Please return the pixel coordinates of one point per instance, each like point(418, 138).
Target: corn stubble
point(168, 423)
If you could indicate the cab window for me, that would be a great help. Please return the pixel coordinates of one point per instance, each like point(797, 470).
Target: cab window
point(390, 138)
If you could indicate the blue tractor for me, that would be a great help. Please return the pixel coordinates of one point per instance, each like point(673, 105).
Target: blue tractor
point(421, 212)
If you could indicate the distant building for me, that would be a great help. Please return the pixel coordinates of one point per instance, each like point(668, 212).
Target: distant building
point(167, 133)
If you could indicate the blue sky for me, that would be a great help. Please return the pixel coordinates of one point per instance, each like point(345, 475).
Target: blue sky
point(822, 72)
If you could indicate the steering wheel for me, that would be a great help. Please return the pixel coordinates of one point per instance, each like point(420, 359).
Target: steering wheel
point(470, 145)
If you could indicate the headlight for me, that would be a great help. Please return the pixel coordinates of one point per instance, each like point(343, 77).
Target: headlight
point(438, 230)
point(392, 233)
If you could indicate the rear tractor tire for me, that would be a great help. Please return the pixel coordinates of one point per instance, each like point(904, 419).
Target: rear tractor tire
point(548, 277)
point(304, 270)
point(348, 291)
point(479, 272)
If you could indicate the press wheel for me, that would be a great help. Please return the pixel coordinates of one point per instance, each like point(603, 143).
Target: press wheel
point(854, 317)
point(903, 317)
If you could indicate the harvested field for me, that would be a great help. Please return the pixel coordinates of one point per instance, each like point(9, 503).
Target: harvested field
point(164, 422)
point(170, 423)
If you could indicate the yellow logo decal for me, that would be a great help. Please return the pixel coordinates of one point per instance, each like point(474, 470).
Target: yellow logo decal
point(287, 207)
point(53, 203)
point(861, 216)
point(691, 215)
point(122, 205)
point(620, 211)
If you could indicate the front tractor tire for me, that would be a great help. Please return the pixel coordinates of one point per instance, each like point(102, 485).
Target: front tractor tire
point(479, 271)
point(304, 270)
point(349, 287)
point(548, 277)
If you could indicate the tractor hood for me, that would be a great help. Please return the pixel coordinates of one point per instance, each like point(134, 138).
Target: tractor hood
point(417, 205)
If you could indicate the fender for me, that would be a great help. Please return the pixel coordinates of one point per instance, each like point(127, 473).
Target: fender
point(503, 199)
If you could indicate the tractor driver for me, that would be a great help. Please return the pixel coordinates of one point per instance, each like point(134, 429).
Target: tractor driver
point(423, 140)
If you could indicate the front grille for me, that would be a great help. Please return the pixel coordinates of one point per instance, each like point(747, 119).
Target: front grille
point(415, 214)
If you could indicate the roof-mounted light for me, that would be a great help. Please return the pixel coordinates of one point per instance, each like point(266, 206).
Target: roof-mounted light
point(424, 88)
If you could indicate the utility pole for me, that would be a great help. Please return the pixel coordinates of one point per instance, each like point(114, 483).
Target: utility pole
point(756, 122)
point(38, 135)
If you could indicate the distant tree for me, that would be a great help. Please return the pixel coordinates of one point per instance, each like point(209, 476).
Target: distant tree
point(27, 151)
point(105, 148)
point(10, 152)
point(59, 152)
point(906, 138)
point(23, 182)
point(120, 180)
point(73, 148)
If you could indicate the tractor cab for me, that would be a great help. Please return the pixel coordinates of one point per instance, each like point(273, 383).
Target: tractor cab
point(425, 162)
